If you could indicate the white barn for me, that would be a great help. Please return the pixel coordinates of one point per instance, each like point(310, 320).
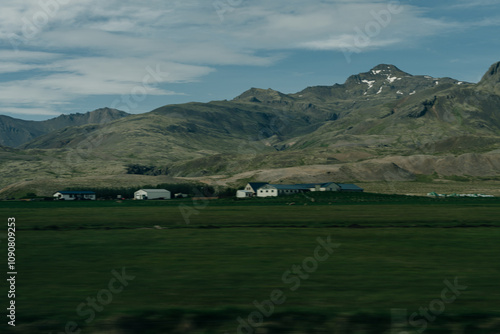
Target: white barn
point(74, 195)
point(152, 194)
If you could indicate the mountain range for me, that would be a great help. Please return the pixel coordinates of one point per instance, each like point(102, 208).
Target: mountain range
point(15, 132)
point(384, 124)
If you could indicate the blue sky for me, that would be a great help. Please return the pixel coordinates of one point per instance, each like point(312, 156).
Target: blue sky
point(68, 56)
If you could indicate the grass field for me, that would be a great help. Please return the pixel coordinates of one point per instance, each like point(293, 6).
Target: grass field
point(187, 278)
point(314, 210)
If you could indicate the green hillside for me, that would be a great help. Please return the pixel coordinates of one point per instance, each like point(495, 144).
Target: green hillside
point(381, 122)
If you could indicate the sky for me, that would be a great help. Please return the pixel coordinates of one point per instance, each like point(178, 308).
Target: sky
point(68, 56)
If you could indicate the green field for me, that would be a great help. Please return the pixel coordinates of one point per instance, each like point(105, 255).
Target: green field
point(313, 210)
point(202, 276)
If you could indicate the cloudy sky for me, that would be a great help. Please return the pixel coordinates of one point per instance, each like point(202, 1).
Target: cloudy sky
point(67, 56)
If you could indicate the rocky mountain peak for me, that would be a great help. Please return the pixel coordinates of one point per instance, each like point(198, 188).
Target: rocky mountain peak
point(494, 70)
point(380, 73)
point(385, 69)
point(261, 95)
point(491, 79)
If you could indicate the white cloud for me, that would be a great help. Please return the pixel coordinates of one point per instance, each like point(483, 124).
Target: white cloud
point(476, 3)
point(487, 22)
point(27, 56)
point(29, 111)
point(91, 47)
point(346, 43)
point(13, 67)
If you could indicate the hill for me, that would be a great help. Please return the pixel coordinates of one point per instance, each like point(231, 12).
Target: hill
point(15, 132)
point(384, 124)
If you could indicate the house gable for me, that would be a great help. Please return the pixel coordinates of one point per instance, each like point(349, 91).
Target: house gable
point(254, 186)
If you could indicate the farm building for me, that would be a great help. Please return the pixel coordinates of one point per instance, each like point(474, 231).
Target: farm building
point(273, 190)
point(287, 189)
point(74, 195)
point(350, 188)
point(152, 194)
point(254, 186)
point(244, 193)
point(267, 191)
point(328, 186)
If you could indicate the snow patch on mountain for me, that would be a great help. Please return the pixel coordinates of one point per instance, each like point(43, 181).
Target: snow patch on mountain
point(369, 83)
point(392, 79)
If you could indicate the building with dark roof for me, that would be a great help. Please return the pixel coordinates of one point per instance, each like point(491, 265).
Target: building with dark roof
point(75, 195)
point(345, 187)
point(263, 189)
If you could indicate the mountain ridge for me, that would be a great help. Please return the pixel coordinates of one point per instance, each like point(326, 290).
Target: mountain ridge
point(491, 79)
point(16, 132)
point(378, 118)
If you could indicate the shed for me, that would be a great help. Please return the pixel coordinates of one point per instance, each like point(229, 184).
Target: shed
point(244, 193)
point(152, 194)
point(74, 195)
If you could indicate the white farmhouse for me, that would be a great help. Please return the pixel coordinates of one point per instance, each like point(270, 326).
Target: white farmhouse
point(267, 191)
point(152, 194)
point(74, 195)
point(253, 187)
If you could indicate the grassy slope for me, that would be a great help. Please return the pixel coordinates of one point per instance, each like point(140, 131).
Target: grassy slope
point(229, 137)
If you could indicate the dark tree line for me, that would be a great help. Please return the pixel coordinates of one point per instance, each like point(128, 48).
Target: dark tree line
point(146, 170)
point(192, 190)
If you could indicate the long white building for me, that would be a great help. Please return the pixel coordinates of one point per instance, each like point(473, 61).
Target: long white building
point(262, 189)
point(143, 194)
